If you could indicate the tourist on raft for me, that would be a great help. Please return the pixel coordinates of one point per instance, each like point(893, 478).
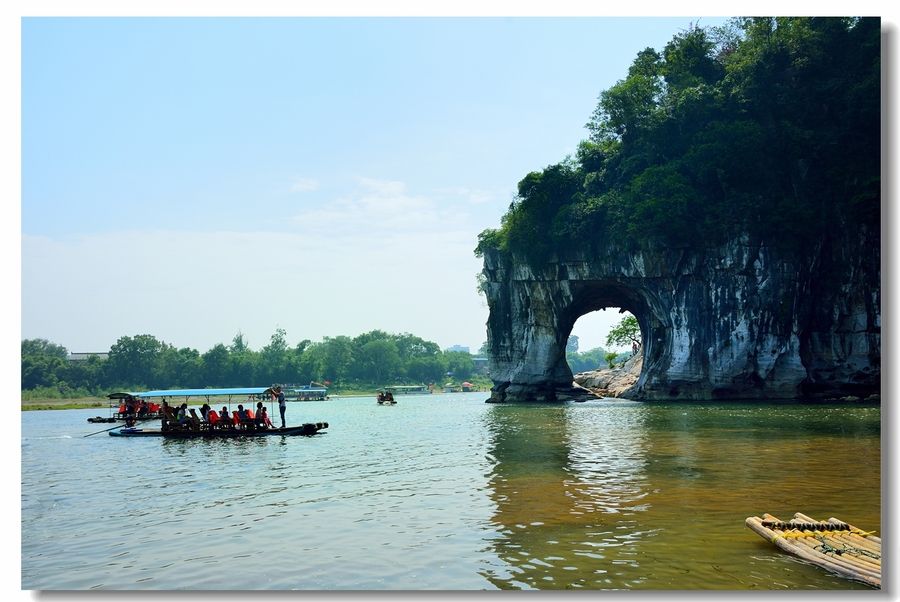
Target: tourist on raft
point(182, 416)
point(265, 418)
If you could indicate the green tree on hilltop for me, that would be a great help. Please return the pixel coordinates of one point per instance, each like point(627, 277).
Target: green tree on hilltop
point(767, 126)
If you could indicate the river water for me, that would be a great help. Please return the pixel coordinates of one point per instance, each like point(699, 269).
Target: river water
point(445, 492)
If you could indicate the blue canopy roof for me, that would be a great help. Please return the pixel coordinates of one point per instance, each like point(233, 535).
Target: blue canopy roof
point(193, 392)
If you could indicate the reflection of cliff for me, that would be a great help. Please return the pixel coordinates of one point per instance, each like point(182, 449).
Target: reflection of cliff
point(569, 486)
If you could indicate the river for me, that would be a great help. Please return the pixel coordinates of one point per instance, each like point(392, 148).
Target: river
point(446, 492)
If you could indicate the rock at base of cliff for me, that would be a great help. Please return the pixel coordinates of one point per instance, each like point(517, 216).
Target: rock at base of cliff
point(612, 382)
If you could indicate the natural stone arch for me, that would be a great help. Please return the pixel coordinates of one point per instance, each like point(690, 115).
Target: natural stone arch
point(595, 295)
point(741, 320)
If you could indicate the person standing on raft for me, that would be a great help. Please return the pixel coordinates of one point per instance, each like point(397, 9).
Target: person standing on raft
point(282, 406)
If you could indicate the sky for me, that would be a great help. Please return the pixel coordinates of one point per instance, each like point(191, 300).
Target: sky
point(195, 178)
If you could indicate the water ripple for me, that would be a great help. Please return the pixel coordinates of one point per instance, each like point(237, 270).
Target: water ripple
point(444, 492)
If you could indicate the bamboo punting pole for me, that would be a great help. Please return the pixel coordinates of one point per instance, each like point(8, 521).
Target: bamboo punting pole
point(806, 552)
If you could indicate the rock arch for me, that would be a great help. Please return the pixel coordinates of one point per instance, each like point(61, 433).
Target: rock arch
point(741, 320)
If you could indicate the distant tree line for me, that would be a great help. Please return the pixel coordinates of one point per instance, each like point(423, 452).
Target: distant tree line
point(622, 334)
point(144, 362)
point(767, 127)
point(592, 359)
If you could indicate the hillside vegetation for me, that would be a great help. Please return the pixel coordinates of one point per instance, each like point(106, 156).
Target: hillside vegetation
point(768, 127)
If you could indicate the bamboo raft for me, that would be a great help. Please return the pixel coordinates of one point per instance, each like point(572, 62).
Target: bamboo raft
point(833, 545)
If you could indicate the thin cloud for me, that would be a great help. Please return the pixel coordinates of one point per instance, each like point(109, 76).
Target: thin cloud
point(304, 185)
point(472, 196)
point(383, 207)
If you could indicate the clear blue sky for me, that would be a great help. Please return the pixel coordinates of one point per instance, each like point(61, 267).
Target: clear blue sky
point(195, 177)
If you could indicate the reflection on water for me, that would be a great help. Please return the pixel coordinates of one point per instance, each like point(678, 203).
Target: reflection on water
point(445, 492)
point(568, 487)
point(619, 495)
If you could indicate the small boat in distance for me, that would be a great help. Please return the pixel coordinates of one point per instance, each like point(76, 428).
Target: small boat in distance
point(127, 407)
point(311, 392)
point(407, 390)
point(386, 398)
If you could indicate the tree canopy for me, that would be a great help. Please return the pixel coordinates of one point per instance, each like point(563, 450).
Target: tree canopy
point(766, 126)
point(143, 361)
point(625, 333)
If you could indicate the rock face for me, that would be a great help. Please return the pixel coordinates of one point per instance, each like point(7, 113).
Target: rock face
point(611, 382)
point(744, 320)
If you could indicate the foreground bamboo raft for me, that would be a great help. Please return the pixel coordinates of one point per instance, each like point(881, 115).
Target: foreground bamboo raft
point(833, 545)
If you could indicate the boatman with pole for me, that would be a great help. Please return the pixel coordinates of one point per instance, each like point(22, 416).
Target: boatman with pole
point(282, 406)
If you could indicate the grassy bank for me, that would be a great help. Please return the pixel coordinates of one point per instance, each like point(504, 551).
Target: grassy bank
point(78, 403)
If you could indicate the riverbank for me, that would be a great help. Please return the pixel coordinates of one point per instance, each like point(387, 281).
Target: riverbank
point(81, 403)
point(78, 403)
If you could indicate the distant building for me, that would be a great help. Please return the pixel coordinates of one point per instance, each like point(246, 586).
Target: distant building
point(459, 348)
point(82, 357)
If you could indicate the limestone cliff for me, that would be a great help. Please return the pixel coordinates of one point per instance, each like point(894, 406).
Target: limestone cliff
point(746, 319)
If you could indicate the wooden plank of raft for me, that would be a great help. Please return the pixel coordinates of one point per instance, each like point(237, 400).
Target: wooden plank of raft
point(804, 548)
